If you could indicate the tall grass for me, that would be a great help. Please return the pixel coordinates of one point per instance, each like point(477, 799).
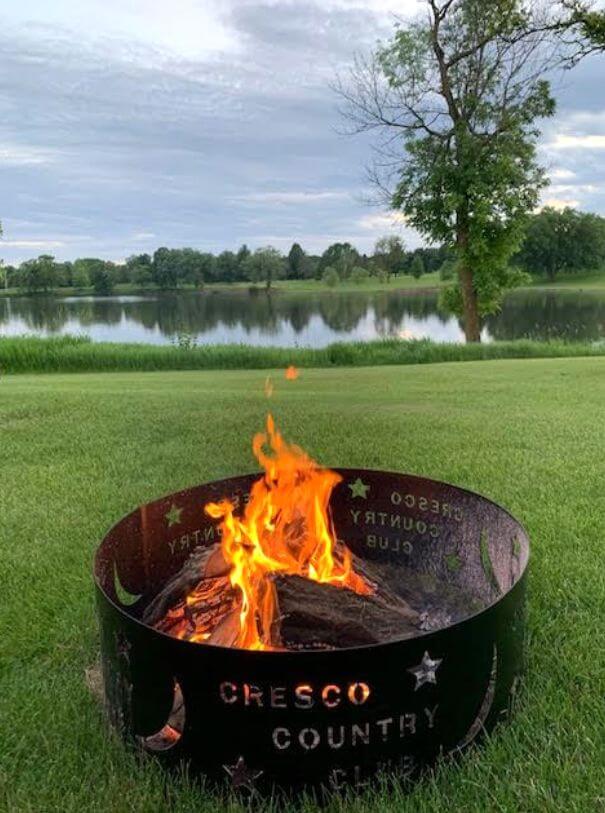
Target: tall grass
point(79, 354)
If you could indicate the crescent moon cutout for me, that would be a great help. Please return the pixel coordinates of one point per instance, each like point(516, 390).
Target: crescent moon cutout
point(486, 706)
point(170, 733)
point(126, 599)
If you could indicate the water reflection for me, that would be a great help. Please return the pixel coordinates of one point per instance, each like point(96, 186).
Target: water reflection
point(300, 319)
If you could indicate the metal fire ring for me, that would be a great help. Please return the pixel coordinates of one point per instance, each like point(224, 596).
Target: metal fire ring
point(322, 719)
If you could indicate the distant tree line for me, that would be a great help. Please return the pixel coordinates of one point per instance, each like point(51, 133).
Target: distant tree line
point(555, 242)
point(173, 268)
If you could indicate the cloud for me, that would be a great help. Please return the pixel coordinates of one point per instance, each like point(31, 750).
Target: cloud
point(21, 155)
point(294, 198)
point(211, 125)
point(33, 243)
point(560, 203)
point(577, 142)
point(566, 188)
point(561, 174)
point(382, 221)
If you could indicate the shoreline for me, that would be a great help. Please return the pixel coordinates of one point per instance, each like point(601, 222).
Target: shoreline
point(65, 354)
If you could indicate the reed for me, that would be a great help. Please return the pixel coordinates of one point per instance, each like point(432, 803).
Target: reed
point(79, 354)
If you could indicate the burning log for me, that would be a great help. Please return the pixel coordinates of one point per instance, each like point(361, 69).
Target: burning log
point(205, 567)
point(200, 604)
point(314, 615)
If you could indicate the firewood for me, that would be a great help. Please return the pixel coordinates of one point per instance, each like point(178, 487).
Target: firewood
point(226, 631)
point(318, 615)
point(203, 564)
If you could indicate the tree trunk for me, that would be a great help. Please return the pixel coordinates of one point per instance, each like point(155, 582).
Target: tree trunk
point(472, 321)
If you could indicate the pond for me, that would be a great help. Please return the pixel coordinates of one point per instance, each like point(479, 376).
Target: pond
point(301, 319)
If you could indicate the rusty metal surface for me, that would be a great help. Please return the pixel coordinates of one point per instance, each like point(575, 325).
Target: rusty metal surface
point(327, 719)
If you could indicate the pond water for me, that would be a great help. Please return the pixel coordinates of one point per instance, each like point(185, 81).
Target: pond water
point(301, 319)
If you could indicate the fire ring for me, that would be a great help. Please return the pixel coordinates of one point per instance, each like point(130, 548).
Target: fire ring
point(328, 719)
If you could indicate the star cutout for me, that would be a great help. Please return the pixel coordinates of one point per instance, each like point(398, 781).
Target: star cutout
point(241, 775)
point(359, 488)
point(174, 515)
point(425, 671)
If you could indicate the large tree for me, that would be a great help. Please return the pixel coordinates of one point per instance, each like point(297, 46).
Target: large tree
point(165, 268)
point(581, 28)
point(563, 241)
point(265, 265)
point(228, 268)
point(456, 96)
point(39, 275)
point(340, 256)
point(297, 262)
point(389, 255)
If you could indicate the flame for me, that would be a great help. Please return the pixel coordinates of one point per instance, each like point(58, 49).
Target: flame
point(292, 373)
point(285, 528)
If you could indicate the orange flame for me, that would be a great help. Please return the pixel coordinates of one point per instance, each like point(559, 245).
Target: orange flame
point(285, 528)
point(292, 373)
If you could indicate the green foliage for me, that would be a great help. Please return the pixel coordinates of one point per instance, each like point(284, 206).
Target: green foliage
point(67, 354)
point(101, 277)
point(185, 340)
point(330, 277)
point(40, 275)
point(508, 277)
point(165, 274)
point(80, 277)
point(242, 257)
point(140, 269)
point(458, 95)
point(447, 270)
point(359, 275)
point(228, 266)
point(265, 265)
point(389, 255)
point(583, 28)
point(340, 256)
point(297, 262)
point(417, 268)
point(173, 267)
point(564, 241)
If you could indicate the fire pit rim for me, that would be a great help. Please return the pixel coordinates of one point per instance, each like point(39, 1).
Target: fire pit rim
point(267, 654)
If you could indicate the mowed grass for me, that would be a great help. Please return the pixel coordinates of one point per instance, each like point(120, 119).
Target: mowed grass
point(585, 281)
point(401, 282)
point(79, 451)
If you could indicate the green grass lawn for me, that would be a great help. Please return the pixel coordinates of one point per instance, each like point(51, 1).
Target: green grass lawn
point(590, 281)
point(404, 282)
point(79, 451)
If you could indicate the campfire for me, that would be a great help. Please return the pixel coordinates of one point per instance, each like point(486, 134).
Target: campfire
point(308, 627)
point(279, 578)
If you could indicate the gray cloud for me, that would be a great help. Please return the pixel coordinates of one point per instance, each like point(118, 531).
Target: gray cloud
point(115, 142)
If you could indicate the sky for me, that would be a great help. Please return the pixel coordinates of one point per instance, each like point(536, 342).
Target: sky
point(127, 125)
